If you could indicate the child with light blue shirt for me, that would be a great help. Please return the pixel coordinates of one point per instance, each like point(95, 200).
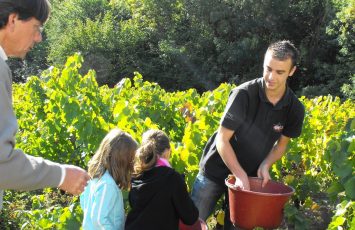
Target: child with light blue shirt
point(110, 170)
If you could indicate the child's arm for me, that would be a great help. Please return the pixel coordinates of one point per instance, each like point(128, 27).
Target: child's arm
point(184, 206)
point(107, 211)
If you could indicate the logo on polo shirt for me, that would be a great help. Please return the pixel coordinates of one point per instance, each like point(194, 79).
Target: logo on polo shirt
point(278, 128)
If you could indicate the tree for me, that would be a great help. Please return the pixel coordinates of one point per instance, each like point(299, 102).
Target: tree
point(97, 29)
point(199, 44)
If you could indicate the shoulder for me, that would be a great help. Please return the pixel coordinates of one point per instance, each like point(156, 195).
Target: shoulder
point(107, 182)
point(250, 85)
point(176, 174)
point(3, 65)
point(249, 88)
point(296, 104)
point(5, 72)
point(164, 170)
point(169, 174)
point(177, 179)
point(246, 92)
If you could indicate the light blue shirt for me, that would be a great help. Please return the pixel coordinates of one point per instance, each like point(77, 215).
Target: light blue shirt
point(102, 203)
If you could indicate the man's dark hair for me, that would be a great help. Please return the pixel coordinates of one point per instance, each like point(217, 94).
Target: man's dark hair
point(26, 9)
point(282, 50)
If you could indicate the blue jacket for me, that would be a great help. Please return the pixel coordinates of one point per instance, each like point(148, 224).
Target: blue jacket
point(102, 203)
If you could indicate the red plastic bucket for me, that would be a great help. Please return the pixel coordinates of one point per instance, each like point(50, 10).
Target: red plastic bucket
point(259, 207)
point(198, 225)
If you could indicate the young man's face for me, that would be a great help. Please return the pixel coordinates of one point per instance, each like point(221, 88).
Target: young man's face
point(22, 36)
point(276, 72)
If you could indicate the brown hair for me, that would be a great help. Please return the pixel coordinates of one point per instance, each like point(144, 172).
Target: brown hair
point(115, 154)
point(154, 143)
point(283, 50)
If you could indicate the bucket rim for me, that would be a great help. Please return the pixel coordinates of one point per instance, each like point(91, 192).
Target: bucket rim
point(232, 187)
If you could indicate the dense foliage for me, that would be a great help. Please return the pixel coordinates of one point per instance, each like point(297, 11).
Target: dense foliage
point(63, 116)
point(200, 44)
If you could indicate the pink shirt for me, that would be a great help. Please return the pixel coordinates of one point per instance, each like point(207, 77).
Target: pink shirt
point(163, 162)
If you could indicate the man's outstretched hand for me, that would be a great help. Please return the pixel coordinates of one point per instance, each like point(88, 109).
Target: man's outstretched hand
point(75, 180)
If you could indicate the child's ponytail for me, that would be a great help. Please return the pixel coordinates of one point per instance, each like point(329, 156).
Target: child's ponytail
point(146, 157)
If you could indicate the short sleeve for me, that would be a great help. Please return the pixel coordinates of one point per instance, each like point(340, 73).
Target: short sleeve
point(294, 122)
point(236, 109)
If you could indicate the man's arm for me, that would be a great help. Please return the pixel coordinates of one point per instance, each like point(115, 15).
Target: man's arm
point(275, 154)
point(20, 171)
point(228, 156)
point(17, 170)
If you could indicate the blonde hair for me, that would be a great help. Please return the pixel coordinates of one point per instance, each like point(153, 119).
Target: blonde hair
point(115, 154)
point(154, 143)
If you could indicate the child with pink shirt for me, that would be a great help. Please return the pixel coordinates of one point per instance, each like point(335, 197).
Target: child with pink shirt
point(158, 196)
point(162, 145)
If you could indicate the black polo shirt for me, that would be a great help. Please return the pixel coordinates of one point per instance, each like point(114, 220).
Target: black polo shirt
point(257, 123)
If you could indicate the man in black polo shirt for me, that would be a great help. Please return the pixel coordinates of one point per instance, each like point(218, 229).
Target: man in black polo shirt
point(260, 118)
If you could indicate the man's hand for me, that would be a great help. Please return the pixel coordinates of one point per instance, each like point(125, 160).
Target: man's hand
point(263, 172)
point(229, 157)
point(242, 182)
point(75, 180)
point(275, 154)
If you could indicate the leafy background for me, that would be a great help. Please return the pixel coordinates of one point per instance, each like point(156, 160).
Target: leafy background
point(183, 44)
point(170, 64)
point(64, 115)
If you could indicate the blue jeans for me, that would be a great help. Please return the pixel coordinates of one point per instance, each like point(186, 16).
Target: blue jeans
point(205, 194)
